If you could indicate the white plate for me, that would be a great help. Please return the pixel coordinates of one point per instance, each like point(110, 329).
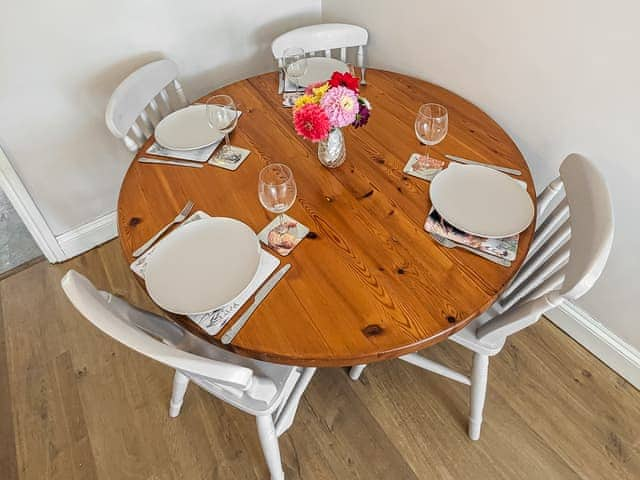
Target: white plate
point(187, 129)
point(320, 69)
point(202, 265)
point(481, 201)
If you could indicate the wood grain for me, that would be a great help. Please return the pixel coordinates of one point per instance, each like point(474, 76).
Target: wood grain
point(7, 441)
point(76, 404)
point(371, 284)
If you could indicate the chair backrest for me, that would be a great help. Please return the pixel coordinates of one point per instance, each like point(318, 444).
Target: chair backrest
point(321, 39)
point(147, 333)
point(569, 251)
point(142, 100)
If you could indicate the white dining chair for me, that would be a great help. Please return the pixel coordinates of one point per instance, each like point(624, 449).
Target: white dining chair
point(567, 255)
point(268, 391)
point(322, 39)
point(142, 100)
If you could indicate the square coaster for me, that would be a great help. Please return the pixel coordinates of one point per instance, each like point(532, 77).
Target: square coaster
point(289, 98)
point(283, 243)
point(235, 158)
point(422, 167)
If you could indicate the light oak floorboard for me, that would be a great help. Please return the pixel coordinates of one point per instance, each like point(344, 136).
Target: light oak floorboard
point(76, 405)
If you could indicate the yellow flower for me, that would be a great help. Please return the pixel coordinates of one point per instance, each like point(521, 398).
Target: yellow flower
point(318, 92)
point(305, 100)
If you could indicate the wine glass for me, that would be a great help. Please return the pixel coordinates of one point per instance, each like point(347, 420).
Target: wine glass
point(222, 115)
point(277, 191)
point(432, 124)
point(294, 63)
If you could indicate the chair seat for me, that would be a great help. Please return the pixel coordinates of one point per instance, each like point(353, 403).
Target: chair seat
point(468, 339)
point(284, 377)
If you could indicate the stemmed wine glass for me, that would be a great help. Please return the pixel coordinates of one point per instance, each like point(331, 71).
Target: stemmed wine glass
point(294, 63)
point(432, 124)
point(277, 191)
point(222, 114)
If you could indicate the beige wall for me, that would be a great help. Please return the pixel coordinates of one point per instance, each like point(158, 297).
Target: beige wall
point(559, 76)
point(60, 61)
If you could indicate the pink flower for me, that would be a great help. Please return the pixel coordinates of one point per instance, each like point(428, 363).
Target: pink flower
point(311, 122)
point(340, 105)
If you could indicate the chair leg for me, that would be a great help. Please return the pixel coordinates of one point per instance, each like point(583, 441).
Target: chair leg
point(479, 376)
point(180, 384)
point(270, 448)
point(283, 418)
point(356, 371)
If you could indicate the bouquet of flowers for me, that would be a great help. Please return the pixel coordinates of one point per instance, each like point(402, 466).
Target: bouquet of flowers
point(324, 106)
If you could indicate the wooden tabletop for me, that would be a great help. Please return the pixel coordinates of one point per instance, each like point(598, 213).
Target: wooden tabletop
point(369, 283)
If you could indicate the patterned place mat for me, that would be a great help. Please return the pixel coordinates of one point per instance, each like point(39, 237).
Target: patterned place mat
point(212, 322)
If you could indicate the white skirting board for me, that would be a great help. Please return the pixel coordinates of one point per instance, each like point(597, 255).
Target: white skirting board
point(597, 339)
point(87, 236)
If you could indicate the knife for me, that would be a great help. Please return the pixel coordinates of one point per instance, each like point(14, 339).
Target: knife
point(179, 163)
point(261, 294)
point(512, 171)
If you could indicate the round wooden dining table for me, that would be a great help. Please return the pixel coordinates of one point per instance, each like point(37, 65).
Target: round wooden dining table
point(368, 283)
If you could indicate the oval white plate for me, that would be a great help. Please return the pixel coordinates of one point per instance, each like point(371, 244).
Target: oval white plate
point(481, 201)
point(320, 69)
point(202, 265)
point(186, 129)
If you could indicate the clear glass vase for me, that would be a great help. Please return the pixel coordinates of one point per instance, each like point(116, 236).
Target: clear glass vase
point(331, 151)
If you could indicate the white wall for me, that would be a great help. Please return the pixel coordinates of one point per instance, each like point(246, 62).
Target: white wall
point(60, 61)
point(559, 76)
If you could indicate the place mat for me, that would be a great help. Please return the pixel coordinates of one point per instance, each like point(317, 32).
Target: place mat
point(423, 167)
point(290, 86)
point(198, 155)
point(283, 243)
point(212, 322)
point(289, 98)
point(506, 248)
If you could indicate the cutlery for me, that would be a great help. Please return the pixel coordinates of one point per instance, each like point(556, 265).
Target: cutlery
point(261, 294)
point(445, 242)
point(466, 161)
point(179, 163)
point(179, 218)
point(280, 82)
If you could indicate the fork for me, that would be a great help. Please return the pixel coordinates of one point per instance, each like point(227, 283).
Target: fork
point(445, 242)
point(179, 218)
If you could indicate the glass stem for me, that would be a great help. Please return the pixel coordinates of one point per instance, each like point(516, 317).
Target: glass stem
point(226, 140)
point(427, 152)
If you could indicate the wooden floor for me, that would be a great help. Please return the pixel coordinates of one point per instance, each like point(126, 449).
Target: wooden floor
point(76, 405)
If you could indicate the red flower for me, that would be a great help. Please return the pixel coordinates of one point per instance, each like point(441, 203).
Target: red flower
point(345, 80)
point(311, 122)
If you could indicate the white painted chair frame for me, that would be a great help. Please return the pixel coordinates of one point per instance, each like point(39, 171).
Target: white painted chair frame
point(569, 251)
point(142, 100)
point(268, 391)
point(322, 39)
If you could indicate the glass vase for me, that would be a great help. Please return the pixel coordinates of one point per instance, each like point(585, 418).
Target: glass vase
point(331, 151)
